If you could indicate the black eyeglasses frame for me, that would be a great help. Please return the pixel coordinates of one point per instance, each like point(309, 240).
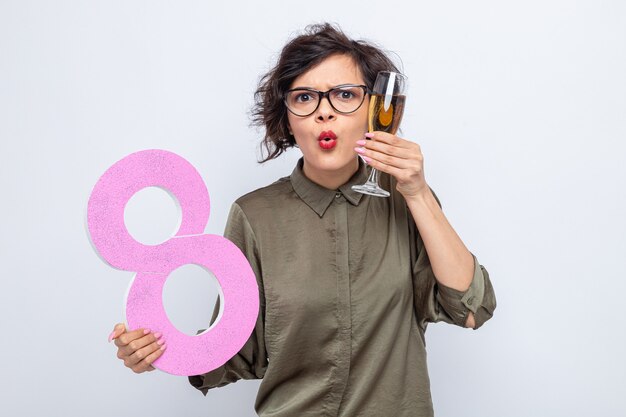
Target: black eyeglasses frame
point(325, 94)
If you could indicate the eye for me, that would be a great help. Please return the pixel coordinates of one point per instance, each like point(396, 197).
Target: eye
point(302, 97)
point(344, 94)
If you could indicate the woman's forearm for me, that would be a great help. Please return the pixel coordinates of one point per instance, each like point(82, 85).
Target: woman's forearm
point(452, 263)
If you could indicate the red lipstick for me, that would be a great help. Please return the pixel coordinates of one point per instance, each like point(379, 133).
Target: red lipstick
point(327, 139)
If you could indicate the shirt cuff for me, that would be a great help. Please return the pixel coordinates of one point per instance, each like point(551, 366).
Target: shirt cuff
point(457, 303)
point(213, 379)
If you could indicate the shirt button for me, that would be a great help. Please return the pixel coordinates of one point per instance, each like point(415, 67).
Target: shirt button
point(337, 195)
point(470, 301)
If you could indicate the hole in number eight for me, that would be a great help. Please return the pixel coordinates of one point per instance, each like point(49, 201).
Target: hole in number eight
point(152, 216)
point(189, 297)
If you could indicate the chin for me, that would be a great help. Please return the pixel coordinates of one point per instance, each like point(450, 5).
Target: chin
point(333, 162)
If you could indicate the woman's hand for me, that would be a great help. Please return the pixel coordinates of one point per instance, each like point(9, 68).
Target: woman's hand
point(398, 157)
point(137, 348)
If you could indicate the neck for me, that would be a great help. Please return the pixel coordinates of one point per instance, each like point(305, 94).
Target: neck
point(331, 179)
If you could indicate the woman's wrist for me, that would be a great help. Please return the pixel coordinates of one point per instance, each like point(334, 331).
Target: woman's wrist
point(421, 197)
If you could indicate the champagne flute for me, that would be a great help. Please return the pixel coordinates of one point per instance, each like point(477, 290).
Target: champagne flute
point(385, 113)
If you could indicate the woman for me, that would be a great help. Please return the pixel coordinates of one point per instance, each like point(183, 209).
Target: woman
point(348, 282)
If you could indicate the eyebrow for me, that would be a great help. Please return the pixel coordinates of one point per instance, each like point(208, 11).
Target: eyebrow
point(337, 86)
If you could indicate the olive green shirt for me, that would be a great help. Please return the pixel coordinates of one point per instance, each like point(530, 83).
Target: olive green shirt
point(346, 293)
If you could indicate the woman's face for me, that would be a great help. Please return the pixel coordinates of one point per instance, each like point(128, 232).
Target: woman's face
point(335, 158)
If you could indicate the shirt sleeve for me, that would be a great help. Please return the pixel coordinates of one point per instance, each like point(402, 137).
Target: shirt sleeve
point(435, 302)
point(251, 361)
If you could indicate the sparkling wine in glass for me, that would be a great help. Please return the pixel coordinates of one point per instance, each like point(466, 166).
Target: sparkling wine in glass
point(385, 113)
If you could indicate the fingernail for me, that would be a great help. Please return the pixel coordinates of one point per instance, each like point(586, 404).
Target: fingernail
point(369, 135)
point(361, 142)
point(366, 159)
point(157, 335)
point(161, 342)
point(146, 331)
point(359, 150)
point(163, 347)
point(111, 336)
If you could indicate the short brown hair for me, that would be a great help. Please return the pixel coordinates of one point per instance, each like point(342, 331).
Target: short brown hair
point(317, 43)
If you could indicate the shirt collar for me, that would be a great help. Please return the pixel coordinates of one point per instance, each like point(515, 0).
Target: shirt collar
point(319, 198)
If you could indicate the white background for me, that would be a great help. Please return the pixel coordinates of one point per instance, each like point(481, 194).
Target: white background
point(520, 108)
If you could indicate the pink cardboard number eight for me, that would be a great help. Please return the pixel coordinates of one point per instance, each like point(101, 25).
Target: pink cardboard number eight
point(185, 355)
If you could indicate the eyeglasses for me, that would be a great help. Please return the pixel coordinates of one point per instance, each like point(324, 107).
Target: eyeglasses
point(345, 99)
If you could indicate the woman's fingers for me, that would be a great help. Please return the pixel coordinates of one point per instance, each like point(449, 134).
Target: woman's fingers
point(382, 148)
point(389, 139)
point(382, 167)
point(135, 345)
point(384, 158)
point(129, 336)
point(141, 360)
point(410, 161)
point(389, 149)
point(137, 348)
point(118, 329)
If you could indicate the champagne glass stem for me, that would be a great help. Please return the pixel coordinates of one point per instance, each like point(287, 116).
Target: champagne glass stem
point(371, 186)
point(373, 176)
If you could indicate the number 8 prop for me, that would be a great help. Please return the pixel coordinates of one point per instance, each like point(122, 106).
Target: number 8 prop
point(185, 355)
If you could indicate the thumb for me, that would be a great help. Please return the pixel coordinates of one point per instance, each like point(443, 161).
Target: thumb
point(118, 329)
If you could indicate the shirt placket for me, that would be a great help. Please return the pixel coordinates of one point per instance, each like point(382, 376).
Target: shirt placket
point(343, 302)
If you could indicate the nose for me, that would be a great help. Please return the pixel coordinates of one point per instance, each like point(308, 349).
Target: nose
point(325, 111)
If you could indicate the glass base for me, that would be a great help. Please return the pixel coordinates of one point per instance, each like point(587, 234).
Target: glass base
point(371, 188)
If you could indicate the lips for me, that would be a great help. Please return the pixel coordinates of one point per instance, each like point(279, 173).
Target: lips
point(327, 140)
